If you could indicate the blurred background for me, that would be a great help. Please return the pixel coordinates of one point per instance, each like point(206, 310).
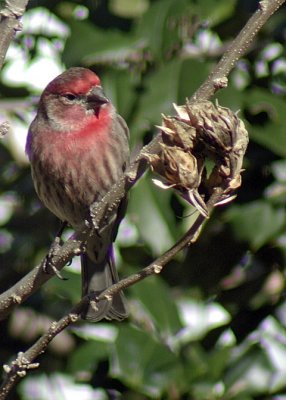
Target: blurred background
point(213, 324)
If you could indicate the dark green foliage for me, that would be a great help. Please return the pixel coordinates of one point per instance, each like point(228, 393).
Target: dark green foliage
point(212, 325)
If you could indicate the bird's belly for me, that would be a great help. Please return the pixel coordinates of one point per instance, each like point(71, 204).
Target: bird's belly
point(65, 196)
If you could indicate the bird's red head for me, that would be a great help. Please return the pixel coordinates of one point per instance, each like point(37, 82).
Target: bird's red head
point(74, 102)
point(78, 80)
point(72, 109)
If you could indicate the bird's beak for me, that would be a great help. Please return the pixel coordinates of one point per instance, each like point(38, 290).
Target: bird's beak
point(96, 97)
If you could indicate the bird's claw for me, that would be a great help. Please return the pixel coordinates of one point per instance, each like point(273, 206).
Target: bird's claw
point(48, 263)
point(55, 247)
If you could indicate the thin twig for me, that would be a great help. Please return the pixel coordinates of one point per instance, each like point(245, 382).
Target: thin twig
point(31, 282)
point(25, 361)
point(10, 24)
point(218, 77)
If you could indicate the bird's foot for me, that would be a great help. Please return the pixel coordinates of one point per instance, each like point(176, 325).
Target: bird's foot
point(48, 264)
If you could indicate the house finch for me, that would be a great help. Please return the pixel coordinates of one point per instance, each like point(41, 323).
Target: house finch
point(78, 148)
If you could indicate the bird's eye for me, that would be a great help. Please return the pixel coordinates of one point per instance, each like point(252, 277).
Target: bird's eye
point(69, 96)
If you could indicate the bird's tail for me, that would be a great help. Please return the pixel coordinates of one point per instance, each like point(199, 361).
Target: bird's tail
point(98, 275)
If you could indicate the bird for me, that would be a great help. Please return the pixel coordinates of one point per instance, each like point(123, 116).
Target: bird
point(78, 148)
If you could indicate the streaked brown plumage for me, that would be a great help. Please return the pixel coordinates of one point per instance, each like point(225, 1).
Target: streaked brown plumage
point(78, 148)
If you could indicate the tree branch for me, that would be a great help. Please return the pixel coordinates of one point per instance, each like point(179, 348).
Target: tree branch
point(100, 212)
point(218, 77)
point(31, 282)
point(9, 25)
point(25, 361)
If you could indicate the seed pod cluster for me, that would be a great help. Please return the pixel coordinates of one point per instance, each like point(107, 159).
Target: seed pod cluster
point(199, 133)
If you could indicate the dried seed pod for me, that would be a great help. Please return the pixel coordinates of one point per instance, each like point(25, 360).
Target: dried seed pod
point(178, 167)
point(200, 131)
point(224, 138)
point(181, 168)
point(178, 133)
point(214, 124)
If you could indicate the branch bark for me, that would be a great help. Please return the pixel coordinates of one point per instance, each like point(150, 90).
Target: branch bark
point(218, 77)
point(216, 80)
point(25, 361)
point(9, 25)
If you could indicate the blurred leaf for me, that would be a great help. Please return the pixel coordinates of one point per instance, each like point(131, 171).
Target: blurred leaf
point(251, 373)
point(144, 363)
point(100, 332)
point(256, 222)
point(270, 134)
point(279, 170)
point(86, 356)
point(274, 344)
point(120, 88)
point(276, 191)
point(57, 386)
point(156, 297)
point(158, 25)
point(218, 361)
point(208, 349)
point(215, 12)
point(126, 9)
point(161, 91)
point(258, 364)
point(200, 318)
point(69, 288)
point(99, 45)
point(232, 97)
point(192, 74)
point(196, 363)
point(153, 215)
point(204, 390)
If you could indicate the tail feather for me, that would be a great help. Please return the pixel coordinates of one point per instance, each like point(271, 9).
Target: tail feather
point(99, 272)
point(97, 277)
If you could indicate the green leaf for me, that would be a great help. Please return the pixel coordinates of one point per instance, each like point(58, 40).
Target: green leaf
point(161, 91)
point(231, 97)
point(272, 133)
point(99, 45)
point(215, 11)
point(278, 169)
point(120, 88)
point(256, 222)
point(100, 332)
point(156, 297)
point(191, 75)
point(127, 9)
point(218, 361)
point(258, 364)
point(86, 356)
point(70, 288)
point(274, 339)
point(159, 25)
point(150, 209)
point(144, 363)
point(199, 319)
point(252, 372)
point(271, 136)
